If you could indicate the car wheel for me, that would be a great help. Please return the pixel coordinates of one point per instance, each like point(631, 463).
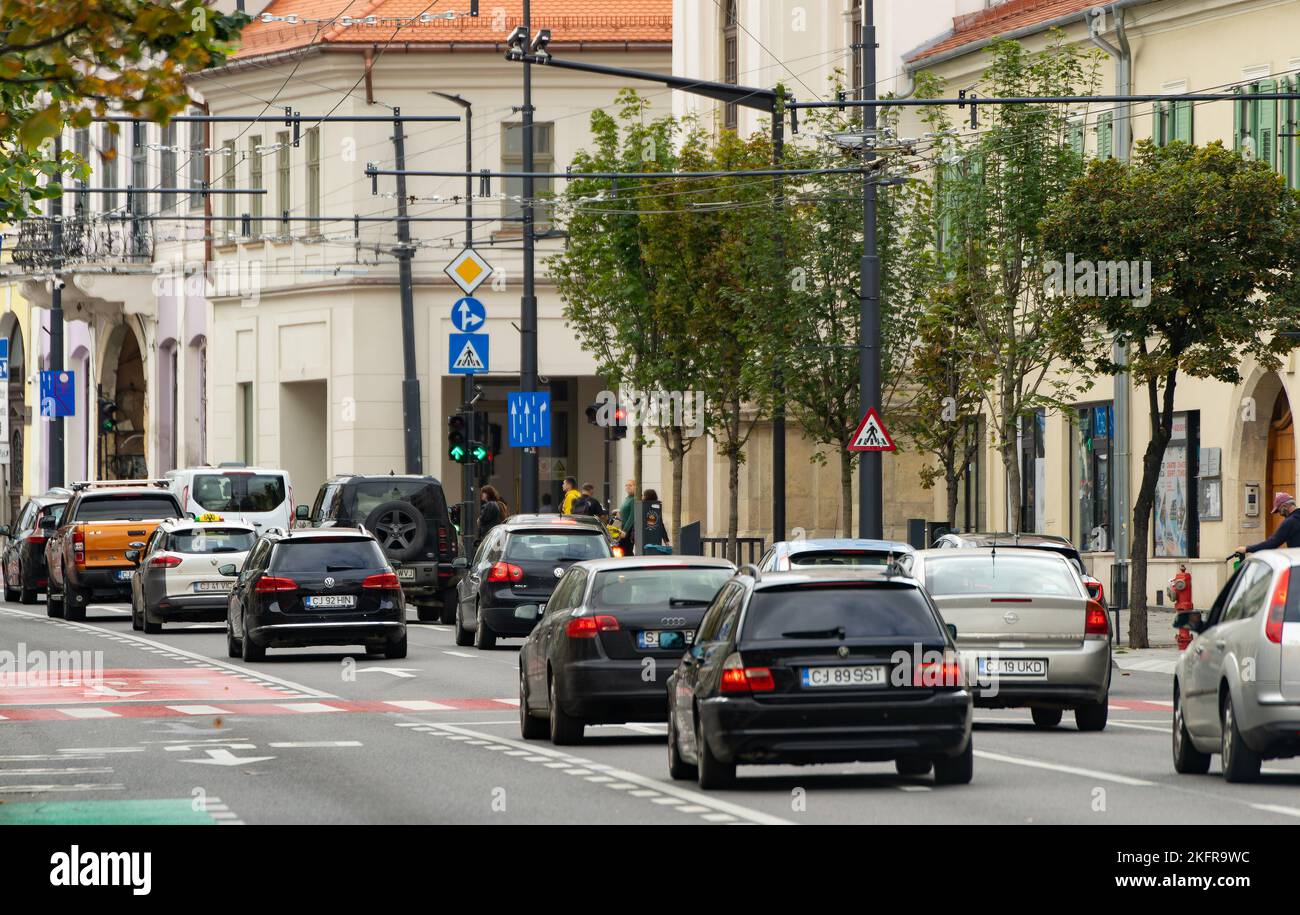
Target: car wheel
point(233, 648)
point(1240, 762)
point(250, 650)
point(1187, 759)
point(1092, 717)
point(428, 613)
point(530, 726)
point(11, 594)
point(75, 609)
point(712, 773)
point(136, 625)
point(484, 638)
point(912, 765)
point(464, 637)
point(448, 614)
point(956, 770)
point(678, 768)
point(149, 625)
point(394, 651)
point(1046, 717)
point(26, 595)
point(53, 606)
point(565, 729)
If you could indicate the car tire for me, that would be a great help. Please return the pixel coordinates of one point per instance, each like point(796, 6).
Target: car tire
point(678, 768)
point(1092, 717)
point(1046, 717)
point(428, 613)
point(447, 616)
point(956, 770)
point(149, 626)
point(1187, 759)
point(74, 610)
point(395, 651)
point(53, 606)
point(136, 626)
point(400, 529)
point(1240, 762)
point(11, 594)
point(250, 650)
point(484, 638)
point(233, 648)
point(26, 595)
point(565, 729)
point(912, 765)
point(464, 638)
point(530, 726)
point(712, 773)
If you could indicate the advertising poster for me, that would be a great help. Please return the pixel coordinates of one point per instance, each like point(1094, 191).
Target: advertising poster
point(1169, 512)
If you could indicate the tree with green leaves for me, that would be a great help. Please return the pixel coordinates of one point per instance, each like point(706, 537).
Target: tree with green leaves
point(1222, 237)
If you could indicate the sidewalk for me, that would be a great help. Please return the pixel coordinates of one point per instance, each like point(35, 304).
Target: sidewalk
point(1163, 654)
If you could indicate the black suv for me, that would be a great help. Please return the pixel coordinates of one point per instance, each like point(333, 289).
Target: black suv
point(23, 558)
point(328, 587)
point(408, 516)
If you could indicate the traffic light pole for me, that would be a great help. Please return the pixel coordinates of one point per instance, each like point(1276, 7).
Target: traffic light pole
point(528, 482)
point(56, 326)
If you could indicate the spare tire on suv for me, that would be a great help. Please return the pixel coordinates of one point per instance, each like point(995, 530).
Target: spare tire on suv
point(400, 529)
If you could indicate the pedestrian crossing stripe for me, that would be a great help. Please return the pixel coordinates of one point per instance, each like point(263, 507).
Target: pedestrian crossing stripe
point(871, 434)
point(469, 359)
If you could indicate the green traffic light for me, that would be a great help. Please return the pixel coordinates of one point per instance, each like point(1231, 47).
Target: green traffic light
point(480, 453)
point(457, 453)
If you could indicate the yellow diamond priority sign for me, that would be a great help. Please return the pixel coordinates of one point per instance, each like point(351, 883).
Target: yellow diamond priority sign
point(468, 270)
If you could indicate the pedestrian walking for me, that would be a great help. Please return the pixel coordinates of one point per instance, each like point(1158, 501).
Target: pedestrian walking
point(587, 503)
point(1287, 533)
point(571, 495)
point(492, 511)
point(627, 510)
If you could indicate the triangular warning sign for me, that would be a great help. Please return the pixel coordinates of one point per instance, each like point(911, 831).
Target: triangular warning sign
point(871, 434)
point(468, 359)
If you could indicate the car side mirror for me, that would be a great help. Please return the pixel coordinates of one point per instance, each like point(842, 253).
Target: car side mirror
point(4, 531)
point(302, 513)
point(952, 631)
point(1190, 620)
point(133, 557)
point(460, 563)
point(229, 570)
point(527, 612)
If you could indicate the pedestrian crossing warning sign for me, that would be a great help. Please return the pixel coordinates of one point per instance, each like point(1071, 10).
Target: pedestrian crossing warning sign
point(468, 354)
point(871, 434)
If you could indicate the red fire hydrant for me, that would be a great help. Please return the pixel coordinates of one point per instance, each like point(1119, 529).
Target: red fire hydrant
point(1181, 588)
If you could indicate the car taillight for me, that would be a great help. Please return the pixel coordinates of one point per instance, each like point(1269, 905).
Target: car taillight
point(386, 581)
point(269, 584)
point(1277, 608)
point(79, 547)
point(505, 571)
point(164, 561)
point(1096, 623)
point(737, 678)
point(1097, 591)
point(35, 539)
point(442, 540)
point(616, 552)
point(945, 672)
point(586, 627)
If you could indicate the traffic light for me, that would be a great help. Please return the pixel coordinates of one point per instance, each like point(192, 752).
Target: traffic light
point(456, 446)
point(107, 417)
point(619, 429)
point(478, 452)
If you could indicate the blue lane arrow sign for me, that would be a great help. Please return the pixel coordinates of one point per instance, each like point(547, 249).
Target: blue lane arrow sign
point(468, 354)
point(468, 314)
point(530, 419)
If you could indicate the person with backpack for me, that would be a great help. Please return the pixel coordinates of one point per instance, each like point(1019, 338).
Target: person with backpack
point(588, 504)
point(492, 511)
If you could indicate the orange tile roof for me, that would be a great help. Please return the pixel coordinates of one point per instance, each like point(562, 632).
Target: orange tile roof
point(998, 20)
point(321, 22)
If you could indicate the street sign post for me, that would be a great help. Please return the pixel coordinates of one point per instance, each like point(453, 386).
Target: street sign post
point(468, 315)
point(530, 418)
point(871, 434)
point(468, 354)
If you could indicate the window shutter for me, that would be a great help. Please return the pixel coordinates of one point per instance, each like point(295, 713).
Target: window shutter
point(1105, 135)
point(1182, 121)
point(1266, 124)
point(1075, 134)
point(1159, 132)
point(1238, 119)
point(1288, 151)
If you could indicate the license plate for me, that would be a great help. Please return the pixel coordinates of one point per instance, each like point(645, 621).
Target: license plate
point(202, 586)
point(406, 574)
point(1013, 667)
point(125, 574)
point(857, 675)
point(665, 639)
point(331, 600)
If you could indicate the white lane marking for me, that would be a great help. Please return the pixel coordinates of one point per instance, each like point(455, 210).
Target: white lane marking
point(315, 744)
point(1069, 770)
point(98, 750)
point(514, 702)
point(201, 658)
point(198, 710)
point(308, 707)
point(88, 713)
point(418, 705)
point(1138, 727)
point(725, 809)
point(1277, 808)
point(48, 770)
point(912, 787)
point(459, 654)
point(58, 789)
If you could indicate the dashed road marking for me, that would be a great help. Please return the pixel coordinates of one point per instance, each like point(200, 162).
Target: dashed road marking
point(1069, 770)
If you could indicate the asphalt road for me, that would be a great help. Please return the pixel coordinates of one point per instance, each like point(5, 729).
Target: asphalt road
point(177, 732)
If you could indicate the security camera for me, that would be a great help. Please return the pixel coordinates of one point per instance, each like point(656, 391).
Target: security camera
point(515, 43)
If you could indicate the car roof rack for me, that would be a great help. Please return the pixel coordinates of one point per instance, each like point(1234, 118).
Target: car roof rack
point(82, 485)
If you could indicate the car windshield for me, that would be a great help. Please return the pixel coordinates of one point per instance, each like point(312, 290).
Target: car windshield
point(51, 511)
point(211, 540)
point(679, 586)
point(840, 558)
point(127, 508)
point(309, 556)
point(872, 611)
point(537, 546)
point(365, 496)
point(239, 492)
point(1001, 574)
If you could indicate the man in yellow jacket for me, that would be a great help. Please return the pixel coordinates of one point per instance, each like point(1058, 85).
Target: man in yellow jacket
point(571, 495)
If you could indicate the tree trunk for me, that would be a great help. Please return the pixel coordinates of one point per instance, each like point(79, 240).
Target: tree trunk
point(733, 483)
point(846, 489)
point(1011, 466)
point(953, 481)
point(1162, 421)
point(637, 460)
point(678, 456)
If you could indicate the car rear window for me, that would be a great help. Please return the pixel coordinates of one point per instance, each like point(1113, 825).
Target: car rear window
point(126, 508)
point(211, 540)
point(874, 611)
point(839, 558)
point(51, 511)
point(985, 574)
point(549, 546)
point(677, 586)
point(238, 492)
point(363, 497)
point(314, 555)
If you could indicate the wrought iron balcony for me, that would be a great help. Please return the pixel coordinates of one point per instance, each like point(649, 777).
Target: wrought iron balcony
point(84, 242)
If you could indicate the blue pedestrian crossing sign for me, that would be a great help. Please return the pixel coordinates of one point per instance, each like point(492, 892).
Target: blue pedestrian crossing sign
point(468, 354)
point(468, 314)
point(530, 418)
point(4, 358)
point(58, 394)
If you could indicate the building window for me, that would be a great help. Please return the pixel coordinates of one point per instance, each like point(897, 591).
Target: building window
point(1033, 471)
point(283, 177)
point(1094, 456)
point(1172, 121)
point(857, 90)
point(244, 429)
point(255, 184)
point(970, 493)
point(1175, 526)
point(1255, 121)
point(108, 167)
point(81, 145)
point(229, 175)
point(167, 159)
point(730, 61)
point(512, 160)
point(198, 162)
point(313, 181)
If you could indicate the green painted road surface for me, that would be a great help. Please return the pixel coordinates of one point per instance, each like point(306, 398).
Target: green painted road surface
point(174, 812)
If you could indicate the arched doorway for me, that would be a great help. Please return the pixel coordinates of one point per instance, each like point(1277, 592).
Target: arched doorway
point(15, 405)
point(1280, 473)
point(122, 442)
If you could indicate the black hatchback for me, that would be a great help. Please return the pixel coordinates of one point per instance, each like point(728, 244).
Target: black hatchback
point(812, 667)
point(610, 636)
point(315, 587)
point(519, 562)
point(23, 559)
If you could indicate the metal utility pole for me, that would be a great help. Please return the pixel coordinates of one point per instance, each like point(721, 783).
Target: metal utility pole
point(871, 522)
point(411, 420)
point(528, 305)
point(778, 412)
point(56, 324)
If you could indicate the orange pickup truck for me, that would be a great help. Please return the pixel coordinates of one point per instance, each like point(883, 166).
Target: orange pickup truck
point(86, 553)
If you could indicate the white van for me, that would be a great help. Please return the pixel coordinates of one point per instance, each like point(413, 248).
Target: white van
point(253, 495)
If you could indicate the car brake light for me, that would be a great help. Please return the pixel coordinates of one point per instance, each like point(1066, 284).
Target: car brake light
point(270, 584)
point(164, 561)
point(505, 571)
point(737, 678)
point(35, 539)
point(386, 581)
point(1277, 608)
point(616, 552)
point(945, 672)
point(586, 627)
point(79, 547)
point(1096, 622)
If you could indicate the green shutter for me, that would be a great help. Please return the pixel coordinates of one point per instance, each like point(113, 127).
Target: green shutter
point(1238, 118)
point(1159, 126)
point(1288, 152)
point(1266, 125)
point(1105, 135)
point(1075, 134)
point(1182, 121)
